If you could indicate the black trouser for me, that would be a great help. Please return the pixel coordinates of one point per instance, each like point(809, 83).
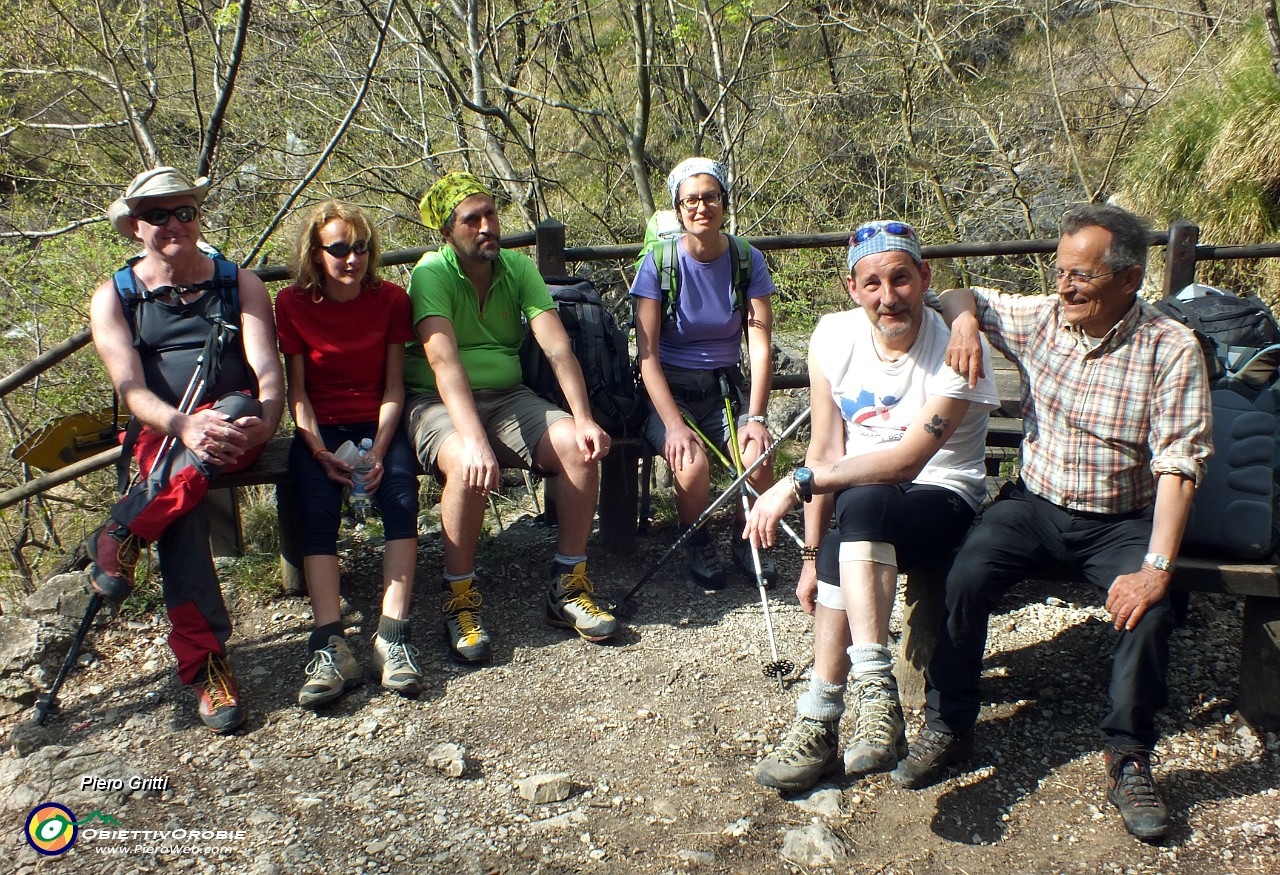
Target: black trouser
point(1017, 535)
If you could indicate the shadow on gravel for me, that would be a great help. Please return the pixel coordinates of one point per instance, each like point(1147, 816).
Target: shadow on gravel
point(1042, 704)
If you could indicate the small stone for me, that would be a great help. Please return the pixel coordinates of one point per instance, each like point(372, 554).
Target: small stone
point(694, 859)
point(814, 845)
point(450, 759)
point(376, 847)
point(548, 787)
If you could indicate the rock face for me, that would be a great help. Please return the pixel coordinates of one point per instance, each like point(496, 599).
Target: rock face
point(80, 777)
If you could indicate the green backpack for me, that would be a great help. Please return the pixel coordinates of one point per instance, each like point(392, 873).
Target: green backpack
point(666, 258)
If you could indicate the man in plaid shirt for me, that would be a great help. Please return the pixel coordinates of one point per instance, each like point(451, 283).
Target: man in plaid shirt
point(1116, 431)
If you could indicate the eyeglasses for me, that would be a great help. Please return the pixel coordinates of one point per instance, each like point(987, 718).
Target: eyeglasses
point(159, 216)
point(894, 229)
point(711, 199)
point(342, 249)
point(1075, 278)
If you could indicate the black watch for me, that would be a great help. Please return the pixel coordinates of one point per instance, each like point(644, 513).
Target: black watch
point(802, 478)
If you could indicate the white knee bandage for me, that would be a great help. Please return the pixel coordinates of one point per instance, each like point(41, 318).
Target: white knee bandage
point(869, 551)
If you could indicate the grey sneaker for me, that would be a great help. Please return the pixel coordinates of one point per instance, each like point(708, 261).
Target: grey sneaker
point(468, 640)
point(932, 752)
point(570, 605)
point(741, 551)
point(330, 673)
point(705, 568)
point(807, 752)
point(880, 732)
point(398, 662)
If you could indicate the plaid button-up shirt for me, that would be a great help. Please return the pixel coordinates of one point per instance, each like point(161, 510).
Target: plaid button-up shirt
point(1100, 424)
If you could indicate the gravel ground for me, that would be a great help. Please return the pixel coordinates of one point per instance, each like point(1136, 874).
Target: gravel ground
point(653, 737)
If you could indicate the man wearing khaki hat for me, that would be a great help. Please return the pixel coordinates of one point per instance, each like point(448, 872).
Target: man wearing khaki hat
point(189, 344)
point(469, 414)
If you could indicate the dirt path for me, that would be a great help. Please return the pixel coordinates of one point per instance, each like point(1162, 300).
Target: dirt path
point(657, 733)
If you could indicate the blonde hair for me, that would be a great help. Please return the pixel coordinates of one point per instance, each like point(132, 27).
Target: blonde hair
point(307, 274)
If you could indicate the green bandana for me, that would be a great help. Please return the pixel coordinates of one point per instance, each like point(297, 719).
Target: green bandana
point(442, 198)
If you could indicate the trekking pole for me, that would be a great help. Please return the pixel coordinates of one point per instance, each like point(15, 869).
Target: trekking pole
point(199, 379)
point(778, 668)
point(751, 490)
point(48, 703)
point(624, 606)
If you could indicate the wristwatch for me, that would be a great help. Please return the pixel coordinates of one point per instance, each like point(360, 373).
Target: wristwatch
point(1158, 562)
point(802, 483)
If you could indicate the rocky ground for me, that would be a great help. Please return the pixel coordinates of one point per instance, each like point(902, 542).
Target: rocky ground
point(652, 738)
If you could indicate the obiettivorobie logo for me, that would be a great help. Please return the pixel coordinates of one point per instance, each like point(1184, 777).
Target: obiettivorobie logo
point(52, 828)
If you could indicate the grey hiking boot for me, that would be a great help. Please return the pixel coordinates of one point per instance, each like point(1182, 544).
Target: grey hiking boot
point(741, 551)
point(705, 568)
point(468, 640)
point(807, 752)
point(880, 732)
point(570, 605)
point(1132, 789)
point(398, 662)
point(932, 752)
point(331, 671)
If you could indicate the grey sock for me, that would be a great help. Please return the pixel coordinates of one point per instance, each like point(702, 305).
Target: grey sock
point(822, 701)
point(870, 659)
point(394, 631)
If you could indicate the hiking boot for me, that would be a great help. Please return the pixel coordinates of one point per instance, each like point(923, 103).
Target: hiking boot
point(1132, 789)
point(741, 551)
point(570, 605)
point(807, 752)
point(398, 662)
point(468, 640)
point(215, 689)
point(331, 671)
point(931, 752)
point(705, 568)
point(114, 551)
point(880, 732)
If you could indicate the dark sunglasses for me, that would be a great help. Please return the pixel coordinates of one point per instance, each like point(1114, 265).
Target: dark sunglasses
point(342, 249)
point(895, 229)
point(159, 216)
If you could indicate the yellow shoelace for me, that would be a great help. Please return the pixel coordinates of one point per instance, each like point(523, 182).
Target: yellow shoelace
point(463, 607)
point(577, 589)
point(218, 684)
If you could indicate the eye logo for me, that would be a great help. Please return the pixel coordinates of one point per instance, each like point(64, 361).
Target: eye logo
point(51, 829)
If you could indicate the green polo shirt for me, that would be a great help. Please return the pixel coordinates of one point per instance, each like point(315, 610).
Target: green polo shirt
point(489, 339)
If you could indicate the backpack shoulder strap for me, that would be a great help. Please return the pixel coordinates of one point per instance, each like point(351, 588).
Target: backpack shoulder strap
point(666, 259)
point(127, 290)
point(741, 256)
point(226, 279)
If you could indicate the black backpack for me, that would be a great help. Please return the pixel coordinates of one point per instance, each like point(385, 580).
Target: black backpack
point(1234, 512)
point(602, 352)
point(1230, 328)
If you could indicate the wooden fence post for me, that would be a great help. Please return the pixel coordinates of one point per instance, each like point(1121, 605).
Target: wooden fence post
point(549, 241)
point(1180, 257)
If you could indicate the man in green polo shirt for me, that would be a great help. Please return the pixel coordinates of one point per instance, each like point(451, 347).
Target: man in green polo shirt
point(469, 414)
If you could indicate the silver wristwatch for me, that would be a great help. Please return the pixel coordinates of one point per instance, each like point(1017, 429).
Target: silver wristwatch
point(1158, 562)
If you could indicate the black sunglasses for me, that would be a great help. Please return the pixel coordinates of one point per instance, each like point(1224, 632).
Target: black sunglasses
point(342, 249)
point(160, 216)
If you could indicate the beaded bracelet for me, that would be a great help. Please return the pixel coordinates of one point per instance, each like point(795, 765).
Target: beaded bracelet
point(808, 554)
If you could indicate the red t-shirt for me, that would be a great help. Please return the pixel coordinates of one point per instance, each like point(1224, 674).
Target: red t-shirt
point(345, 344)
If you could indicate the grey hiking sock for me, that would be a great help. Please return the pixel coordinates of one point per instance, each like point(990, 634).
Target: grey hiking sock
point(870, 659)
point(393, 631)
point(822, 701)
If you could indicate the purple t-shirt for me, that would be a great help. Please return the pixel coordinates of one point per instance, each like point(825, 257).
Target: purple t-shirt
point(707, 332)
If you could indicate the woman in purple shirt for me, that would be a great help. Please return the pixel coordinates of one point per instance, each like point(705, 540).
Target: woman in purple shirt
point(690, 352)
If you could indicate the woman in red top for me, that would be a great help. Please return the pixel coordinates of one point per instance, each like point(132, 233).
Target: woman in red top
point(342, 331)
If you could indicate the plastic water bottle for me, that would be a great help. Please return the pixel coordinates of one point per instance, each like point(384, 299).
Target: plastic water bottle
point(362, 469)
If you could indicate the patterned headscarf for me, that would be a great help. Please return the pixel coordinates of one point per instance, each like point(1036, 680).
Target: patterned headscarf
point(443, 198)
point(693, 167)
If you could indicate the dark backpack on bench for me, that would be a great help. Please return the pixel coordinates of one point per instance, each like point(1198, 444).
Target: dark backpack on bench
point(601, 348)
point(1234, 512)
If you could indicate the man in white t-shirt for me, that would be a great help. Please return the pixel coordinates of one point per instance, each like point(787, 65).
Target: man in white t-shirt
point(897, 452)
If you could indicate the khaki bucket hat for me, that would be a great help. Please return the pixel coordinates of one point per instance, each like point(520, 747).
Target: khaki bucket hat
point(156, 182)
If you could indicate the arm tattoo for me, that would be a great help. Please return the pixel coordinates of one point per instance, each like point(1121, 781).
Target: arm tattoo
point(937, 426)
